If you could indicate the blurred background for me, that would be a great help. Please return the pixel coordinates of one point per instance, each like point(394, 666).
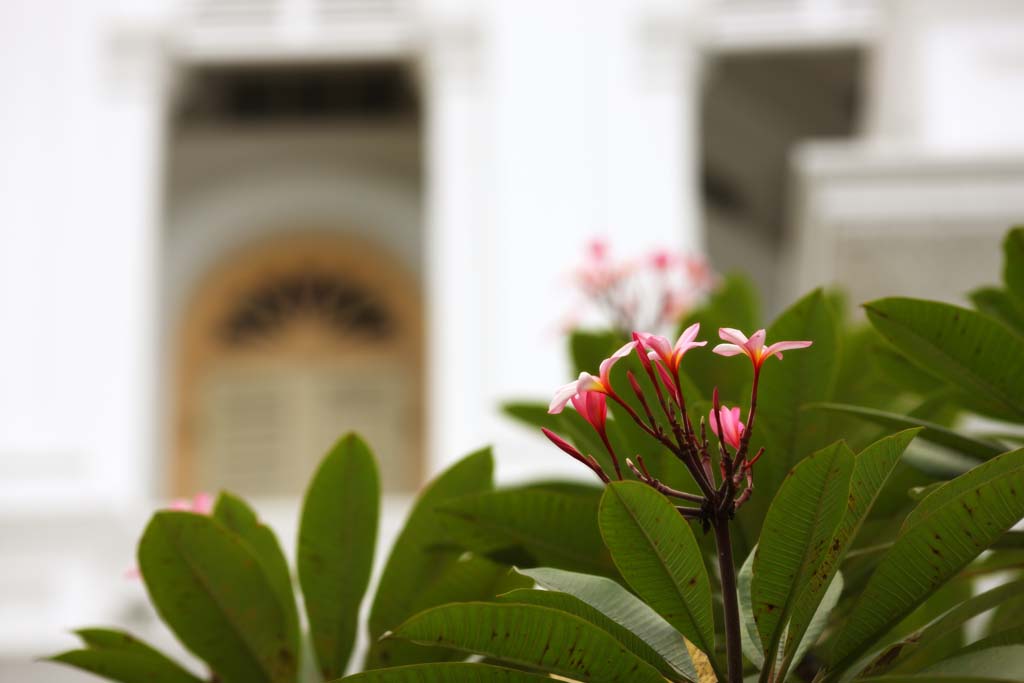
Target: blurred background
point(231, 230)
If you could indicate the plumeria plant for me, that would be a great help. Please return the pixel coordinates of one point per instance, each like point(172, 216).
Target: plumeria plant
point(722, 494)
point(882, 523)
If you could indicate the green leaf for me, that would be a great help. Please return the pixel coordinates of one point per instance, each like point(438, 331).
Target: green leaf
point(819, 620)
point(871, 470)
point(798, 530)
point(960, 520)
point(534, 526)
point(940, 496)
point(454, 672)
point(937, 434)
point(996, 663)
point(927, 678)
point(895, 367)
point(803, 376)
point(1013, 635)
point(576, 607)
point(657, 554)
point(337, 535)
point(750, 638)
point(624, 609)
point(967, 348)
point(750, 641)
point(1001, 305)
point(236, 515)
point(588, 349)
point(211, 590)
point(416, 563)
point(927, 644)
point(120, 657)
point(1013, 262)
point(530, 635)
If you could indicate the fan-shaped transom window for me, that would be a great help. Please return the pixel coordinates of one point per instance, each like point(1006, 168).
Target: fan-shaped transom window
point(285, 347)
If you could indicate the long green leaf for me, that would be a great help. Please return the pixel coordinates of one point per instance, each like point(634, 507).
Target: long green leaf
point(235, 514)
point(453, 672)
point(928, 678)
point(940, 495)
point(967, 348)
point(961, 522)
point(996, 662)
point(798, 530)
point(416, 562)
point(622, 607)
point(657, 554)
point(569, 604)
point(210, 589)
point(750, 638)
point(120, 657)
point(937, 434)
point(871, 470)
point(1013, 635)
point(337, 535)
point(926, 645)
point(1013, 262)
point(530, 635)
point(1001, 305)
point(534, 526)
point(802, 377)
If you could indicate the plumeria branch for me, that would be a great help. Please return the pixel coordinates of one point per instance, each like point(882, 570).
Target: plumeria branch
point(718, 502)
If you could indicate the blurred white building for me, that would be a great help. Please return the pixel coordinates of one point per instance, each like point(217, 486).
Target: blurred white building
point(232, 229)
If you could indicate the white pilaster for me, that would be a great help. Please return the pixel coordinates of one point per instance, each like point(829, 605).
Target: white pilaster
point(455, 136)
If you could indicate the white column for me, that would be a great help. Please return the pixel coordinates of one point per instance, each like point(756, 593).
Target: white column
point(78, 196)
point(455, 136)
point(549, 124)
point(594, 135)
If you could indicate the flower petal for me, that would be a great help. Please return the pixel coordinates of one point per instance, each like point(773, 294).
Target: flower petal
point(607, 363)
point(756, 342)
point(562, 396)
point(778, 347)
point(686, 340)
point(728, 350)
point(732, 336)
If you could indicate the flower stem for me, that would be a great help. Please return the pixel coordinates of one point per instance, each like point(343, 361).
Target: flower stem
point(727, 569)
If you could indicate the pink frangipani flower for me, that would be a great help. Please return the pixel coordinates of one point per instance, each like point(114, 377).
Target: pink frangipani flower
point(754, 347)
point(659, 348)
point(732, 425)
point(587, 382)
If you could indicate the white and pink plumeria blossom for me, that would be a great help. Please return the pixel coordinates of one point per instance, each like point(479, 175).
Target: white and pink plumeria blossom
point(587, 382)
point(660, 348)
point(732, 426)
point(200, 504)
point(754, 347)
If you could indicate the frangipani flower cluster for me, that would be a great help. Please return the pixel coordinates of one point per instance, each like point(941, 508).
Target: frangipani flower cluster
point(651, 292)
point(672, 427)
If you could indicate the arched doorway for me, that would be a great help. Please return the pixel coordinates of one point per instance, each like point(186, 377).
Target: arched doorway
point(286, 345)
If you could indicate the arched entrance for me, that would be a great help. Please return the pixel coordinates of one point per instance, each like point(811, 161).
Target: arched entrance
point(283, 347)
